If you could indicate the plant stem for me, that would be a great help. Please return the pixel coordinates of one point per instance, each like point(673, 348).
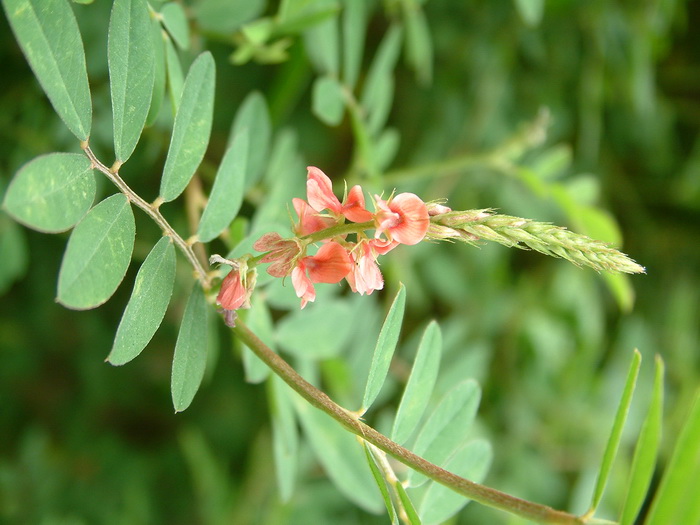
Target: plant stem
point(151, 210)
point(475, 491)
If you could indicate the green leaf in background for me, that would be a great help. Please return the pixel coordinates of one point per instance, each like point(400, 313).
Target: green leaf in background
point(354, 31)
point(420, 385)
point(190, 350)
point(377, 93)
point(52, 192)
point(227, 192)
point(147, 305)
point(259, 321)
point(175, 21)
point(98, 254)
point(444, 431)
point(530, 11)
point(285, 436)
point(327, 100)
point(419, 47)
point(329, 337)
point(131, 72)
point(381, 482)
point(676, 499)
point(646, 451)
point(159, 71)
point(13, 247)
point(191, 129)
point(472, 462)
point(383, 352)
point(407, 503)
point(322, 43)
point(253, 116)
point(176, 78)
point(616, 432)
point(226, 16)
point(50, 39)
point(340, 455)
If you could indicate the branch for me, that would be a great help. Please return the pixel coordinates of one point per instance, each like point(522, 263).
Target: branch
point(474, 491)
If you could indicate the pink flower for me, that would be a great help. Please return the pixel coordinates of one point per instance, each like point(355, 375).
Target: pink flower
point(319, 192)
point(404, 218)
point(282, 253)
point(309, 220)
point(365, 276)
point(233, 294)
point(330, 265)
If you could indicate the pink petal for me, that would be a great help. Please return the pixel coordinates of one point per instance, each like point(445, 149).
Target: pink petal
point(414, 221)
point(309, 220)
point(354, 206)
point(330, 264)
point(232, 294)
point(303, 286)
point(319, 191)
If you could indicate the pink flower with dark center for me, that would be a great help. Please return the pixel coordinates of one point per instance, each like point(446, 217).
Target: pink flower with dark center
point(309, 219)
point(403, 218)
point(330, 265)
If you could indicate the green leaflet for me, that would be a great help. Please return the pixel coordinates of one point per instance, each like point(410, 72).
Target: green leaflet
point(354, 30)
point(328, 102)
point(285, 436)
point(50, 39)
point(322, 43)
point(381, 482)
point(383, 352)
point(226, 16)
point(175, 21)
point(340, 454)
point(253, 116)
point(159, 72)
point(52, 192)
point(616, 432)
point(420, 385)
point(472, 462)
point(149, 300)
point(190, 351)
point(175, 76)
point(227, 193)
point(443, 433)
point(191, 129)
point(97, 255)
point(646, 450)
point(419, 46)
point(131, 72)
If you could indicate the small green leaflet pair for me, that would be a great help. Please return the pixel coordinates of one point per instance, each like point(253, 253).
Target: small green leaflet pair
point(441, 438)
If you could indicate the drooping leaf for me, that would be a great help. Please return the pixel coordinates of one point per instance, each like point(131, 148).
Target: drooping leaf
point(381, 482)
point(676, 499)
point(131, 72)
point(149, 300)
point(616, 432)
point(190, 351)
point(383, 352)
point(646, 451)
point(176, 78)
point(227, 193)
point(285, 437)
point(354, 30)
point(445, 430)
point(253, 116)
point(328, 102)
point(49, 36)
point(472, 462)
point(97, 255)
point(420, 385)
point(340, 455)
point(159, 69)
point(191, 129)
point(52, 192)
point(175, 21)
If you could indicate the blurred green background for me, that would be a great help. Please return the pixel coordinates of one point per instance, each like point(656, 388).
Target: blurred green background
point(84, 442)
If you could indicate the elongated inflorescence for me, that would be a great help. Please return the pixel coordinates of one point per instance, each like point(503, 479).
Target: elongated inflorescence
point(350, 238)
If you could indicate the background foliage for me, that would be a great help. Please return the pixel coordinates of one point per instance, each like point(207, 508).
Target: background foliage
point(83, 442)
